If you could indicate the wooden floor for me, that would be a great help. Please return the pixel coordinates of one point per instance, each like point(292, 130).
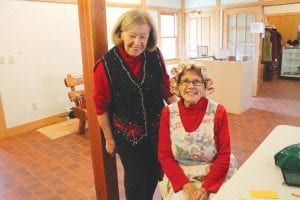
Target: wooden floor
point(34, 167)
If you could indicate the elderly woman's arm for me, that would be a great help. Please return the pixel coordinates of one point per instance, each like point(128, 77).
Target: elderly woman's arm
point(101, 101)
point(219, 168)
point(165, 90)
point(169, 165)
point(104, 123)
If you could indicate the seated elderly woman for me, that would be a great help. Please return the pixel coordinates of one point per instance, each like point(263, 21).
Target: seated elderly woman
point(194, 142)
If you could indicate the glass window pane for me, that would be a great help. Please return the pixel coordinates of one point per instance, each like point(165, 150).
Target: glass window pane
point(249, 51)
point(231, 49)
point(193, 34)
point(239, 51)
point(250, 19)
point(240, 36)
point(231, 21)
point(241, 20)
point(168, 48)
point(231, 36)
point(249, 37)
point(239, 39)
point(167, 25)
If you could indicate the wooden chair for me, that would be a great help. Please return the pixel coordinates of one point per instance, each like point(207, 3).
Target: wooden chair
point(77, 95)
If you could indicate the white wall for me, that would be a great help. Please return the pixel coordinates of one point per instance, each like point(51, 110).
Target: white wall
point(39, 45)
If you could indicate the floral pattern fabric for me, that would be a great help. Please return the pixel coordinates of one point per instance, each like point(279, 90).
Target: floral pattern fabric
point(193, 148)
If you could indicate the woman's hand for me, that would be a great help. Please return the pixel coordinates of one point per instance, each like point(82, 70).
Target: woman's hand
point(110, 146)
point(200, 194)
point(189, 189)
point(104, 123)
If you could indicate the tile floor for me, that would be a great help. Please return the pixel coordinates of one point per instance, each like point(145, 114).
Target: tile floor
point(33, 167)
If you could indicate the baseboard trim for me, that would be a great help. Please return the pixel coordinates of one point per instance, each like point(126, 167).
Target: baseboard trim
point(31, 126)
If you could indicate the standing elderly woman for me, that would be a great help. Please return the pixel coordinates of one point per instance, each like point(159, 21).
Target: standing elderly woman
point(194, 143)
point(130, 84)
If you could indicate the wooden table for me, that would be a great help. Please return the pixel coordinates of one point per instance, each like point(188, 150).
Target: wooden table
point(259, 172)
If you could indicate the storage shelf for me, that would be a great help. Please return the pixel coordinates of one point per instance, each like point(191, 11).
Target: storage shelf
point(289, 75)
point(290, 64)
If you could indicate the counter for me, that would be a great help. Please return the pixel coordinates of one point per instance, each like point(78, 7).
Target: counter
point(232, 81)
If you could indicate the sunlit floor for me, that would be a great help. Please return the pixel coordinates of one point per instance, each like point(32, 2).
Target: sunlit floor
point(34, 167)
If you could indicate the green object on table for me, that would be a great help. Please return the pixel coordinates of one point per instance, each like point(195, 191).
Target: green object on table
point(288, 159)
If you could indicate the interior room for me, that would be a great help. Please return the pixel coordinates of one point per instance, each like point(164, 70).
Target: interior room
point(51, 146)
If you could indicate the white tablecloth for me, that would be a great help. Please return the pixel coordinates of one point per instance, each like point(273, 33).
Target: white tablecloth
point(259, 172)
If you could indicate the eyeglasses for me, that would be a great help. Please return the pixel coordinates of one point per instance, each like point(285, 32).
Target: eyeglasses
point(187, 82)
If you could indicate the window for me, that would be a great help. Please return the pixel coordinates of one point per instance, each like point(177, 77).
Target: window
point(168, 27)
point(237, 38)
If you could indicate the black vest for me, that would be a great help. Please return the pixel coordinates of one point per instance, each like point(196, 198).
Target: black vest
point(136, 103)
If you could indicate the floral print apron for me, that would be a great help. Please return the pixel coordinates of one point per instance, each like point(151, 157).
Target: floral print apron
point(194, 151)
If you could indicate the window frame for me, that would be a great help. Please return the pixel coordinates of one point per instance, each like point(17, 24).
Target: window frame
point(175, 36)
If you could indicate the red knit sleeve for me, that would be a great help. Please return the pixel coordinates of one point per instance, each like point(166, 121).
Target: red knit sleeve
point(165, 90)
point(165, 156)
point(101, 92)
point(220, 165)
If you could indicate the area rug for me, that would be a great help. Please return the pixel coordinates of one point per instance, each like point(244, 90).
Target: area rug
point(60, 129)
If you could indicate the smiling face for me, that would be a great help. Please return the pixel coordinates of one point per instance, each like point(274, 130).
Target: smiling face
point(135, 39)
point(191, 88)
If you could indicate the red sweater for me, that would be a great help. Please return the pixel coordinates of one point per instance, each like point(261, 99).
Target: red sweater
point(191, 118)
point(101, 83)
